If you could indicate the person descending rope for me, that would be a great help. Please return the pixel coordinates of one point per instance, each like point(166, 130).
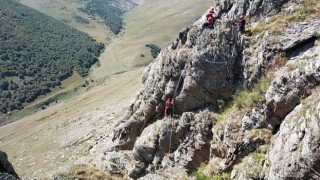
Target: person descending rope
point(169, 108)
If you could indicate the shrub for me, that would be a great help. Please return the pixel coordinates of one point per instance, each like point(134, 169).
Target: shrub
point(258, 156)
point(279, 61)
point(155, 50)
point(248, 99)
point(302, 13)
point(201, 176)
point(221, 103)
point(84, 172)
point(81, 20)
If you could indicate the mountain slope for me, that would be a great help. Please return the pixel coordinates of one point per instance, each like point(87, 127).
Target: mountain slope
point(100, 19)
point(236, 101)
point(155, 22)
point(37, 53)
point(52, 140)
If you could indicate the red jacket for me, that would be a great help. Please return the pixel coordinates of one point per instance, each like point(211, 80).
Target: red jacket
point(209, 15)
point(210, 20)
point(168, 103)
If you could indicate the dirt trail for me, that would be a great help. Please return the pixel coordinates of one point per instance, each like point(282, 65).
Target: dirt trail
point(51, 140)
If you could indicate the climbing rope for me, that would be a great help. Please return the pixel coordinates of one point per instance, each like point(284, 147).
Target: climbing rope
point(220, 68)
point(171, 124)
point(171, 118)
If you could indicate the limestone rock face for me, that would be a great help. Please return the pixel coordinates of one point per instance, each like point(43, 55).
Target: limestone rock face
point(6, 169)
point(251, 8)
point(205, 65)
point(202, 66)
point(187, 139)
point(195, 73)
point(289, 88)
point(295, 151)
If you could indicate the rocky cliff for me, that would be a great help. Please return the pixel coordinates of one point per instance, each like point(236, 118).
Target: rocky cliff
point(6, 168)
point(207, 71)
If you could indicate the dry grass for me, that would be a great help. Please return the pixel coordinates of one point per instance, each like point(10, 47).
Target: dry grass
point(156, 22)
point(83, 172)
point(65, 91)
point(64, 10)
point(305, 11)
point(279, 62)
point(39, 144)
point(245, 100)
point(292, 67)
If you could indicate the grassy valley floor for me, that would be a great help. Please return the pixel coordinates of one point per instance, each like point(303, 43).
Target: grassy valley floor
point(53, 139)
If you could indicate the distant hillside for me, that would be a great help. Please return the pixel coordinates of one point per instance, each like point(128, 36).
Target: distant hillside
point(37, 52)
point(110, 11)
point(99, 18)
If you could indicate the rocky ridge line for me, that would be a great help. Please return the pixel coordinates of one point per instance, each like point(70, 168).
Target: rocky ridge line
point(206, 65)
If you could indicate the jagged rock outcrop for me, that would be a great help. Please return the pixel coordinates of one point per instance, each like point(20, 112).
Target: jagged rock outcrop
point(295, 151)
point(195, 73)
point(203, 65)
point(249, 8)
point(290, 87)
point(230, 143)
point(199, 68)
point(6, 169)
point(187, 138)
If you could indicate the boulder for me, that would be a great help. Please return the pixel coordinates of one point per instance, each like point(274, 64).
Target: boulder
point(290, 88)
point(166, 144)
point(295, 150)
point(6, 168)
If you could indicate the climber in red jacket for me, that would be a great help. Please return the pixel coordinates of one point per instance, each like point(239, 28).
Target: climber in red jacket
point(210, 21)
point(169, 108)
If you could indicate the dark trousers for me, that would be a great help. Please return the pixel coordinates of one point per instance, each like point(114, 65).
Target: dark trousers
point(169, 111)
point(207, 25)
